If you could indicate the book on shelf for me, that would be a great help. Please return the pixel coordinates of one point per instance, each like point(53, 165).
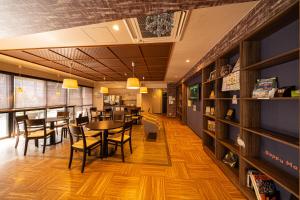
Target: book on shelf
point(263, 186)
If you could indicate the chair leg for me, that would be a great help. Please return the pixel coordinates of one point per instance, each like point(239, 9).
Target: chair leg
point(71, 158)
point(36, 142)
point(62, 134)
point(44, 147)
point(83, 161)
point(89, 152)
point(130, 145)
point(116, 147)
point(122, 150)
point(17, 141)
point(26, 145)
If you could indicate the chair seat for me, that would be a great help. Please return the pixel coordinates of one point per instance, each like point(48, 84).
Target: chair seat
point(90, 141)
point(40, 133)
point(116, 130)
point(119, 138)
point(135, 117)
point(92, 133)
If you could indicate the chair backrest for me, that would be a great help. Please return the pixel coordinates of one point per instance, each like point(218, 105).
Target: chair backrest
point(134, 111)
point(128, 127)
point(32, 125)
point(76, 133)
point(119, 116)
point(93, 109)
point(82, 121)
point(20, 122)
point(63, 114)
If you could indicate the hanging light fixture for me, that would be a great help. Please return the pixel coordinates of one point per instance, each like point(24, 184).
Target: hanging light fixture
point(103, 90)
point(133, 83)
point(19, 88)
point(143, 89)
point(69, 83)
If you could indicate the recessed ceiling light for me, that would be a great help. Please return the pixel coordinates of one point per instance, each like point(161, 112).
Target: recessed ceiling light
point(187, 60)
point(116, 27)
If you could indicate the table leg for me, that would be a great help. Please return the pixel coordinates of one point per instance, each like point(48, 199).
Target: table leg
point(105, 144)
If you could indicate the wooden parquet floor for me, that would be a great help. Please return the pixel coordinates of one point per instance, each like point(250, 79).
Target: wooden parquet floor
point(191, 175)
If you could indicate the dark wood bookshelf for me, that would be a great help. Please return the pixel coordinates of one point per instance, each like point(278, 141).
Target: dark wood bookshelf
point(212, 134)
point(248, 110)
point(276, 60)
point(232, 123)
point(287, 181)
point(210, 116)
point(230, 145)
point(279, 137)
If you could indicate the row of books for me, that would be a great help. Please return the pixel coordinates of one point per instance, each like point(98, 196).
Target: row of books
point(263, 186)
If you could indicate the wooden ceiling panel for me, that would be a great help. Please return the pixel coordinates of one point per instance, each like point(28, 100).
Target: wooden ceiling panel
point(137, 61)
point(98, 52)
point(157, 61)
point(111, 62)
point(22, 55)
point(94, 63)
point(156, 50)
point(72, 53)
point(127, 51)
point(46, 54)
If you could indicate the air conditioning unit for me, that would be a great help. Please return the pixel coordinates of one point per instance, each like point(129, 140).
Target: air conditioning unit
point(138, 33)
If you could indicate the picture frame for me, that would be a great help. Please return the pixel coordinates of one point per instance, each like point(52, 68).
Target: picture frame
point(230, 114)
point(225, 70)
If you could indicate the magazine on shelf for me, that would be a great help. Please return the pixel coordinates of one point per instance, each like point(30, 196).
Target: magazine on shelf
point(264, 187)
point(265, 88)
point(231, 82)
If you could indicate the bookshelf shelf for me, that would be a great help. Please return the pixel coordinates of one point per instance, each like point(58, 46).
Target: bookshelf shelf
point(212, 134)
point(281, 177)
point(232, 123)
point(276, 60)
point(272, 99)
point(210, 116)
point(278, 137)
point(230, 145)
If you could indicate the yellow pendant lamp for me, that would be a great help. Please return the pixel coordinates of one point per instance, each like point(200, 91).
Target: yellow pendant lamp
point(69, 83)
point(104, 90)
point(143, 89)
point(133, 83)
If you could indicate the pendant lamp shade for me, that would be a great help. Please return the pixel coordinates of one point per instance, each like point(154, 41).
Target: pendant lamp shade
point(103, 90)
point(133, 83)
point(143, 90)
point(70, 84)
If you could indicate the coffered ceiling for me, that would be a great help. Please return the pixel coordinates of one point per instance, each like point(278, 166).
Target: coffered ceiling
point(34, 16)
point(96, 62)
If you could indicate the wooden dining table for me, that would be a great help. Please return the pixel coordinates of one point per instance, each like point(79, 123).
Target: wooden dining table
point(104, 126)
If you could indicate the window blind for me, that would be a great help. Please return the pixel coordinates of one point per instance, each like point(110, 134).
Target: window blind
point(87, 96)
point(29, 92)
point(55, 94)
point(5, 91)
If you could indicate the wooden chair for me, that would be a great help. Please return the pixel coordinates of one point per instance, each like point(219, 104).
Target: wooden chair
point(136, 117)
point(83, 143)
point(36, 129)
point(121, 138)
point(83, 121)
point(20, 127)
point(107, 114)
point(63, 124)
point(117, 116)
point(94, 114)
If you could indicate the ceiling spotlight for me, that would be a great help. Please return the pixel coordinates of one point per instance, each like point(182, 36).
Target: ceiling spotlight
point(187, 60)
point(116, 27)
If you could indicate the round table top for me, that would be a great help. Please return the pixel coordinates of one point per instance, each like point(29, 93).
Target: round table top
point(104, 125)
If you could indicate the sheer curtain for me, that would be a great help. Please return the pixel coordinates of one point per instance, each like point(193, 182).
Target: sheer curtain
point(29, 92)
point(75, 98)
point(4, 103)
point(87, 99)
point(55, 94)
